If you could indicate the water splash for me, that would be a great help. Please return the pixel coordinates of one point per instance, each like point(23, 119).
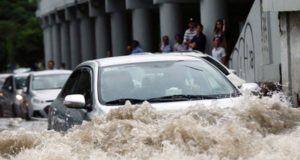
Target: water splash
point(257, 128)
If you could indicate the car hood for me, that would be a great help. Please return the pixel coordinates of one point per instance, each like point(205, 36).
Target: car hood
point(177, 106)
point(47, 94)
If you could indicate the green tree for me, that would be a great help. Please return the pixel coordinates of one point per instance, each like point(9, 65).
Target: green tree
point(20, 33)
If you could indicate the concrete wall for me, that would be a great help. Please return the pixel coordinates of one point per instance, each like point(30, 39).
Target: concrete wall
point(290, 57)
point(246, 57)
point(256, 56)
point(281, 5)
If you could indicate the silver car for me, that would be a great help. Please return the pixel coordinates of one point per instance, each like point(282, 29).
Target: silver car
point(43, 88)
point(167, 82)
point(11, 94)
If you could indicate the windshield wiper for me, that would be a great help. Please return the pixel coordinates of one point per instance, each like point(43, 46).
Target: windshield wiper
point(123, 100)
point(181, 98)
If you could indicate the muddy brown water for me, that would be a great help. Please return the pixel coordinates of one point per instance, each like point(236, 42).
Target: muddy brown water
point(256, 129)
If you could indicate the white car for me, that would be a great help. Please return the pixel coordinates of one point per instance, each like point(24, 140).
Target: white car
point(167, 82)
point(43, 88)
point(11, 94)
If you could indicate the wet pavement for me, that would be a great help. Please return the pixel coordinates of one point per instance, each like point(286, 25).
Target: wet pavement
point(18, 123)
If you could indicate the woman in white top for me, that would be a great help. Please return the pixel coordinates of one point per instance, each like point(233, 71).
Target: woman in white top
point(218, 51)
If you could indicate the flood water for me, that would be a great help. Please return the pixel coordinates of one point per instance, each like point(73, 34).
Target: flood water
point(255, 129)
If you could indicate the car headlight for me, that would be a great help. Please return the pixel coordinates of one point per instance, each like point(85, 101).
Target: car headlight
point(19, 97)
point(38, 100)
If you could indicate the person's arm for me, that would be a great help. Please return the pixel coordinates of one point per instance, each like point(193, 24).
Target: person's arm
point(224, 26)
point(223, 56)
point(185, 37)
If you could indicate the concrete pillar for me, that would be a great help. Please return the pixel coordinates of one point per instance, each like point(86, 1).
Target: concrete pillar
point(75, 43)
point(141, 28)
point(211, 11)
point(65, 44)
point(119, 33)
point(102, 36)
point(56, 44)
point(87, 34)
point(47, 37)
point(170, 20)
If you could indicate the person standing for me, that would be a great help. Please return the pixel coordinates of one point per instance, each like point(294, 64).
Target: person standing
point(189, 33)
point(179, 46)
point(135, 47)
point(220, 31)
point(50, 64)
point(218, 51)
point(199, 41)
point(165, 46)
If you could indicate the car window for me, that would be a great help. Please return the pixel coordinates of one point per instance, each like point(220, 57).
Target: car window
point(158, 79)
point(51, 81)
point(217, 64)
point(79, 83)
point(8, 84)
point(70, 84)
point(20, 82)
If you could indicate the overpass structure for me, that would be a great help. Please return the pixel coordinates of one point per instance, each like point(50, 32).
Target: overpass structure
point(79, 30)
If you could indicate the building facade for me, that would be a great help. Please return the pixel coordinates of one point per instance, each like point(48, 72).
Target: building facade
point(79, 30)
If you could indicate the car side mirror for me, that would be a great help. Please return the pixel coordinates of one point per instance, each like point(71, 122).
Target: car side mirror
point(75, 101)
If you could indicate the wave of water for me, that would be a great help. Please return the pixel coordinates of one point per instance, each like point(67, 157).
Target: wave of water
point(256, 129)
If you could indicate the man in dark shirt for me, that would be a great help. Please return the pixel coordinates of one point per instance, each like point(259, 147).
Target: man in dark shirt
point(199, 41)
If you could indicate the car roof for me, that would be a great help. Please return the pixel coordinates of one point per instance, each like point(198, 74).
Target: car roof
point(51, 72)
point(21, 74)
point(140, 58)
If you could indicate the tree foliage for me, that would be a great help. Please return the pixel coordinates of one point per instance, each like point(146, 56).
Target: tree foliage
point(20, 34)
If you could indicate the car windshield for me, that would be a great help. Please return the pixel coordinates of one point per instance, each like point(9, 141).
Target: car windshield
point(162, 82)
point(45, 82)
point(20, 82)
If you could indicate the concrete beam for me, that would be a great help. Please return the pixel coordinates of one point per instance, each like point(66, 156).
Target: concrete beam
point(134, 4)
point(96, 8)
point(70, 13)
point(114, 6)
point(174, 1)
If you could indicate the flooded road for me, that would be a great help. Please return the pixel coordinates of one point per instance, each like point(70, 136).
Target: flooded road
point(255, 129)
point(18, 123)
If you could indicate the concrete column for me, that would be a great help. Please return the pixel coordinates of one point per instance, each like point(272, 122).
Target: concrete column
point(47, 37)
point(102, 36)
point(211, 11)
point(65, 44)
point(75, 43)
point(56, 44)
point(170, 20)
point(141, 28)
point(119, 33)
point(87, 34)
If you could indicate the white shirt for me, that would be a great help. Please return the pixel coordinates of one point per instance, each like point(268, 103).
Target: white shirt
point(189, 35)
point(218, 53)
point(165, 48)
point(179, 47)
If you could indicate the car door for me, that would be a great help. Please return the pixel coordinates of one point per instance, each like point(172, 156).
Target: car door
point(61, 118)
point(7, 96)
